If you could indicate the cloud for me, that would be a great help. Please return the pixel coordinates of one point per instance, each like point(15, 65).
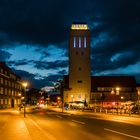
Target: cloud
point(114, 25)
point(4, 55)
point(19, 62)
point(51, 65)
point(37, 83)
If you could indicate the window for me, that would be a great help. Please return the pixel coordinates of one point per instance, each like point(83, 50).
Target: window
point(5, 82)
point(79, 42)
point(76, 53)
point(1, 80)
point(1, 101)
point(79, 81)
point(5, 91)
point(1, 70)
point(5, 101)
point(79, 96)
point(82, 53)
point(74, 42)
point(66, 95)
point(79, 68)
point(1, 90)
point(85, 42)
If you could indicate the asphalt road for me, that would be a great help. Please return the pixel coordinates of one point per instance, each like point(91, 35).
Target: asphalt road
point(62, 126)
point(42, 124)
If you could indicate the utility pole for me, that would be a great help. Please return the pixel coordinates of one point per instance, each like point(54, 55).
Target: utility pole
point(62, 94)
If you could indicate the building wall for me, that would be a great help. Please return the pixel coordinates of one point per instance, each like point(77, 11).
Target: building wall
point(79, 65)
point(10, 88)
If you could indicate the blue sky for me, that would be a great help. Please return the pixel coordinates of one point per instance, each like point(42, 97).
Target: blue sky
point(34, 37)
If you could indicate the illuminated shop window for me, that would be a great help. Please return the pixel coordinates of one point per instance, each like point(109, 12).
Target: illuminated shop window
point(85, 42)
point(79, 42)
point(74, 42)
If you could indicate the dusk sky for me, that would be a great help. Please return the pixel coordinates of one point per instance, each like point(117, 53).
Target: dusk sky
point(34, 37)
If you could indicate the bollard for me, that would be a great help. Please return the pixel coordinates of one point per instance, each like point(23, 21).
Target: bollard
point(129, 112)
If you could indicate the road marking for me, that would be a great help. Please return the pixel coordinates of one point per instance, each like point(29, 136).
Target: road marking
point(59, 116)
point(131, 136)
point(49, 136)
point(78, 121)
point(66, 114)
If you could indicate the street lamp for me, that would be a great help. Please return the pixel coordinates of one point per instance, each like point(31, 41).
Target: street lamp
point(138, 102)
point(117, 93)
point(24, 84)
point(72, 97)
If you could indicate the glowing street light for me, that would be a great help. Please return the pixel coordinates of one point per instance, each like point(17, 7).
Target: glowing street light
point(117, 93)
point(117, 90)
point(122, 97)
point(72, 96)
point(24, 84)
point(138, 102)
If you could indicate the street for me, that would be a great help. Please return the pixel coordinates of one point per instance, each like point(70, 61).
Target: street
point(43, 124)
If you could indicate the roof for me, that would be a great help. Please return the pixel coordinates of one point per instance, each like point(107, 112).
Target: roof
point(107, 81)
point(113, 81)
point(3, 65)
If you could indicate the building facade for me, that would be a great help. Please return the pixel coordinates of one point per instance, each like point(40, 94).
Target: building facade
point(10, 87)
point(79, 64)
point(80, 86)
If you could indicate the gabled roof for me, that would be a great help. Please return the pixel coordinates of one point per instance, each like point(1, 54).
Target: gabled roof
point(113, 81)
point(107, 81)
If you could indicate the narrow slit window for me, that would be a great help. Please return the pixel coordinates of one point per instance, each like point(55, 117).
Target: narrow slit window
point(85, 42)
point(79, 42)
point(74, 42)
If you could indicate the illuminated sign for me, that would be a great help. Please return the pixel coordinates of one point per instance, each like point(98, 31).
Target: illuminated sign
point(79, 27)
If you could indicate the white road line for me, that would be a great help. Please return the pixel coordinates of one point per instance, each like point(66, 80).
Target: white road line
point(66, 114)
point(78, 122)
point(131, 136)
point(59, 116)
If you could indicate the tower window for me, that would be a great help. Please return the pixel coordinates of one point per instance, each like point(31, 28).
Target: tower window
point(79, 68)
point(74, 42)
point(79, 81)
point(85, 42)
point(76, 53)
point(79, 42)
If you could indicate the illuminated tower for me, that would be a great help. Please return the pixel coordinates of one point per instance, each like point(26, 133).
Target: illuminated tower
point(79, 63)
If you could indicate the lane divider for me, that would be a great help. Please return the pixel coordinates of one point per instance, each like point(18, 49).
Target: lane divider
point(113, 131)
point(59, 116)
point(78, 122)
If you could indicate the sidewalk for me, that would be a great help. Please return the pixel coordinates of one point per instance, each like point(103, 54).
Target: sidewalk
point(103, 116)
point(15, 127)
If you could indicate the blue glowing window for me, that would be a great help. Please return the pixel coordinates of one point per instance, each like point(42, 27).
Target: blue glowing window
point(85, 42)
point(79, 42)
point(74, 42)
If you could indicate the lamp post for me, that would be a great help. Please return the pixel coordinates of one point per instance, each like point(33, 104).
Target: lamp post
point(138, 102)
point(117, 94)
point(72, 97)
point(24, 84)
